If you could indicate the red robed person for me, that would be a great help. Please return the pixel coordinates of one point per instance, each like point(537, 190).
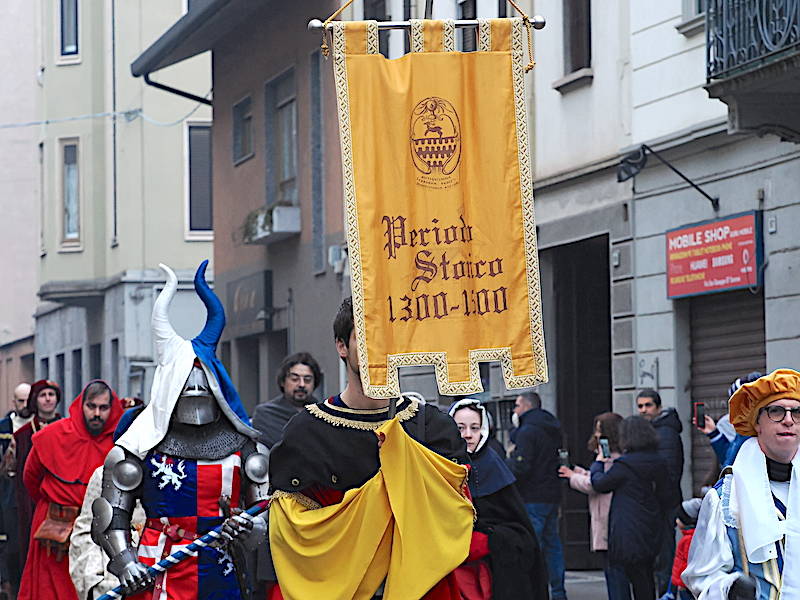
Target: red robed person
point(63, 458)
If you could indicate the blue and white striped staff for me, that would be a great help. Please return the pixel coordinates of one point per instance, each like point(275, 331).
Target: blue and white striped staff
point(190, 551)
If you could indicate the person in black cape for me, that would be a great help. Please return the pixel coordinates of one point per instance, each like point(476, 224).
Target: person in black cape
point(505, 561)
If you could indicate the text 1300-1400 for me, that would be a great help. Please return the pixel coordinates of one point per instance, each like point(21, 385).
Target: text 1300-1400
point(437, 306)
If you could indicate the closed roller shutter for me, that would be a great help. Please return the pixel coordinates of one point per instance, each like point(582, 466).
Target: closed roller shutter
point(727, 341)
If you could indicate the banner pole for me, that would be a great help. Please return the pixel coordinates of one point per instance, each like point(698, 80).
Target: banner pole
point(316, 25)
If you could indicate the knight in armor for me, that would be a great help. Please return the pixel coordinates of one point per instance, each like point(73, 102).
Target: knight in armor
point(193, 461)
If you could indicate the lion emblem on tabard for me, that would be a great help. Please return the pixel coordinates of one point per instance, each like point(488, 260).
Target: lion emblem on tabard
point(435, 137)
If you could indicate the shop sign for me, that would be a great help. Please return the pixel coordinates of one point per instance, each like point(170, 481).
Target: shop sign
point(714, 256)
point(249, 304)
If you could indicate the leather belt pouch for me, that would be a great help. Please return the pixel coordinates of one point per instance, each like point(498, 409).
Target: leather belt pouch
point(55, 530)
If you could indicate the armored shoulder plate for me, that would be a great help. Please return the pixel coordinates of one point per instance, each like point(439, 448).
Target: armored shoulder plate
point(256, 467)
point(127, 474)
point(122, 475)
point(256, 471)
point(122, 479)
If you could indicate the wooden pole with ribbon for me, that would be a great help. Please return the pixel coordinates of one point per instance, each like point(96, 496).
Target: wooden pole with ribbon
point(536, 22)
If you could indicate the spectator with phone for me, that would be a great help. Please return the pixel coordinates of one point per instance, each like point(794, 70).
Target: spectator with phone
point(534, 462)
point(605, 444)
point(643, 492)
point(721, 435)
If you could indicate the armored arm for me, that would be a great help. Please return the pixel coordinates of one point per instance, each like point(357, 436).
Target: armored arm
point(251, 531)
point(112, 511)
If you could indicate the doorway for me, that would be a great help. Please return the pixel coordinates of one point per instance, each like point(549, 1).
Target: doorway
point(581, 293)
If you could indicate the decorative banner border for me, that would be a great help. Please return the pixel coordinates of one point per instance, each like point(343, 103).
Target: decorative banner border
point(439, 359)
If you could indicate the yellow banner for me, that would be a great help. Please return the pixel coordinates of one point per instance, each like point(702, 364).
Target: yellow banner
point(438, 196)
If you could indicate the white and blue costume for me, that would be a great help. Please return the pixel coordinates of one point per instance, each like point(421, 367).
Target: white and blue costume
point(748, 525)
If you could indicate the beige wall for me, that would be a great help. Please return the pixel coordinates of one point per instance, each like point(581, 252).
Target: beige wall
point(668, 72)
point(16, 366)
point(589, 123)
point(19, 174)
point(150, 159)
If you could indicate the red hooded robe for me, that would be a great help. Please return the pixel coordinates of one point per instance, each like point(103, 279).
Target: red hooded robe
point(63, 458)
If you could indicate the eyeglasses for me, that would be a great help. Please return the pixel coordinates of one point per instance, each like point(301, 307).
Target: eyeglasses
point(294, 378)
point(777, 413)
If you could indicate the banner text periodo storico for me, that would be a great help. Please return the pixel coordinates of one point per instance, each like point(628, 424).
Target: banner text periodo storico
point(441, 257)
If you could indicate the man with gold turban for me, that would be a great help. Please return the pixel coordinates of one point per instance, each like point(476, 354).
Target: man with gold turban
point(747, 541)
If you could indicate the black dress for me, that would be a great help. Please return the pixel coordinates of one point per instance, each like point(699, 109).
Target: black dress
point(515, 559)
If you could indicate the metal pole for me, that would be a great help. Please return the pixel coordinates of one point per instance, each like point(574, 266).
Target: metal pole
point(315, 25)
point(714, 201)
point(428, 9)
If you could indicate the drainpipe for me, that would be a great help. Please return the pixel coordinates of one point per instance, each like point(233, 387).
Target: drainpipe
point(175, 91)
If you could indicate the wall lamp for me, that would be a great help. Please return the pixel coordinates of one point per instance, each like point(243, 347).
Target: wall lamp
point(633, 163)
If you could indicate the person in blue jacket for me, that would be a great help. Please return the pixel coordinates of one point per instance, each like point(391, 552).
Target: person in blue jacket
point(643, 492)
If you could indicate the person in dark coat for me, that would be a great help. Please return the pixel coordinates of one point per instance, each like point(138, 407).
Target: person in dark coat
point(642, 493)
point(298, 376)
point(534, 462)
point(668, 429)
point(42, 403)
point(504, 562)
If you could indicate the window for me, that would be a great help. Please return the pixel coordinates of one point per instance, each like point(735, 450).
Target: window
point(60, 372)
point(577, 35)
point(467, 40)
point(693, 17)
point(242, 130)
point(70, 190)
point(407, 17)
point(199, 178)
point(115, 365)
point(376, 10)
point(95, 361)
point(44, 368)
point(281, 134)
point(317, 165)
point(69, 27)
point(77, 371)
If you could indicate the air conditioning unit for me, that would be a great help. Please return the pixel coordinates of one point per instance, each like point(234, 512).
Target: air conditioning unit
point(337, 258)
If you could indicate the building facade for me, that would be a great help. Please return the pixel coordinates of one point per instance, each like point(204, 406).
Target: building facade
point(613, 79)
point(126, 185)
point(19, 196)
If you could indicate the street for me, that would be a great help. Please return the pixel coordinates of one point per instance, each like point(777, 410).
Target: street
point(586, 585)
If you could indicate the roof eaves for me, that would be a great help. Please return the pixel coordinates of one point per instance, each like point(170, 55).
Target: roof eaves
point(172, 46)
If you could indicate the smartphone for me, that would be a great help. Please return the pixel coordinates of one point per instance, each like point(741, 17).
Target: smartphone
point(700, 414)
point(563, 457)
point(605, 449)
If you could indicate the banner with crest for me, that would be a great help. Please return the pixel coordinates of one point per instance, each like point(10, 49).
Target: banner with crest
point(438, 197)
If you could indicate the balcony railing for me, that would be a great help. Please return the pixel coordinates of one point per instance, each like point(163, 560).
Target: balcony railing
point(741, 35)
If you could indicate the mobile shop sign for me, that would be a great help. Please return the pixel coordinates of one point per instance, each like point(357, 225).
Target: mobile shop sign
point(714, 256)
